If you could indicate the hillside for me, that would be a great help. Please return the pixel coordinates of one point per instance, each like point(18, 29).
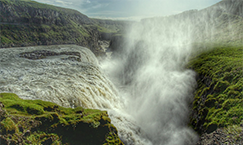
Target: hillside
point(28, 23)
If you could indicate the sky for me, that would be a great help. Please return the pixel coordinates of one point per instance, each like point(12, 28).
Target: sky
point(130, 9)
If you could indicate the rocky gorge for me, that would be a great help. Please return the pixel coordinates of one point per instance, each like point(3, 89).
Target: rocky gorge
point(204, 72)
point(216, 58)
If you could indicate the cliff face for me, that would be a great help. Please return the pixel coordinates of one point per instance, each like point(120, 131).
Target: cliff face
point(219, 24)
point(25, 23)
point(36, 13)
point(234, 7)
point(28, 23)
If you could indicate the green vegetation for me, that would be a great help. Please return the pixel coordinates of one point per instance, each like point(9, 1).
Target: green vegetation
point(40, 122)
point(110, 26)
point(29, 23)
point(219, 95)
point(107, 29)
point(43, 34)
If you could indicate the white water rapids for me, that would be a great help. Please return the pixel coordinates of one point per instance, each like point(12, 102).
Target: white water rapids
point(59, 78)
point(149, 92)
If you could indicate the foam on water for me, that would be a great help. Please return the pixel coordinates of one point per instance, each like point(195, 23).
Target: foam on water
point(63, 81)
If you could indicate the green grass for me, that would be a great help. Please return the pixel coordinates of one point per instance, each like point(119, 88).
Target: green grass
point(50, 123)
point(5, 40)
point(106, 29)
point(43, 34)
point(8, 125)
point(219, 96)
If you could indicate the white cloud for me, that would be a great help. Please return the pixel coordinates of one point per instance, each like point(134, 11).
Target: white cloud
point(63, 2)
point(131, 8)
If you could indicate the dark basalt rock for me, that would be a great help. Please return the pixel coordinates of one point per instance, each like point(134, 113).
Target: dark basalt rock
point(41, 54)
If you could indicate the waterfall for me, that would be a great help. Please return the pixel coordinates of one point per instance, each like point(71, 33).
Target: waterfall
point(147, 91)
point(68, 75)
point(145, 88)
point(149, 106)
point(155, 86)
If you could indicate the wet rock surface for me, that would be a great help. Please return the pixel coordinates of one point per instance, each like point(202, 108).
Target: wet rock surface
point(40, 54)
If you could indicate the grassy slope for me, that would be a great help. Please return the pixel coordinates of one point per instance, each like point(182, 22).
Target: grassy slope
point(111, 26)
point(37, 5)
point(40, 122)
point(44, 34)
point(24, 33)
point(219, 95)
point(33, 23)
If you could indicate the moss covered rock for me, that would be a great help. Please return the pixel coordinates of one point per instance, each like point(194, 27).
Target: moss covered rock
point(40, 122)
point(219, 95)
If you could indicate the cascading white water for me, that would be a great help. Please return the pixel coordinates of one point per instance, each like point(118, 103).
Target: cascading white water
point(155, 85)
point(150, 69)
point(59, 78)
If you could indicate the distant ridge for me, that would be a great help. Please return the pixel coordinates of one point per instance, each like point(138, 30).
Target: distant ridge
point(29, 23)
